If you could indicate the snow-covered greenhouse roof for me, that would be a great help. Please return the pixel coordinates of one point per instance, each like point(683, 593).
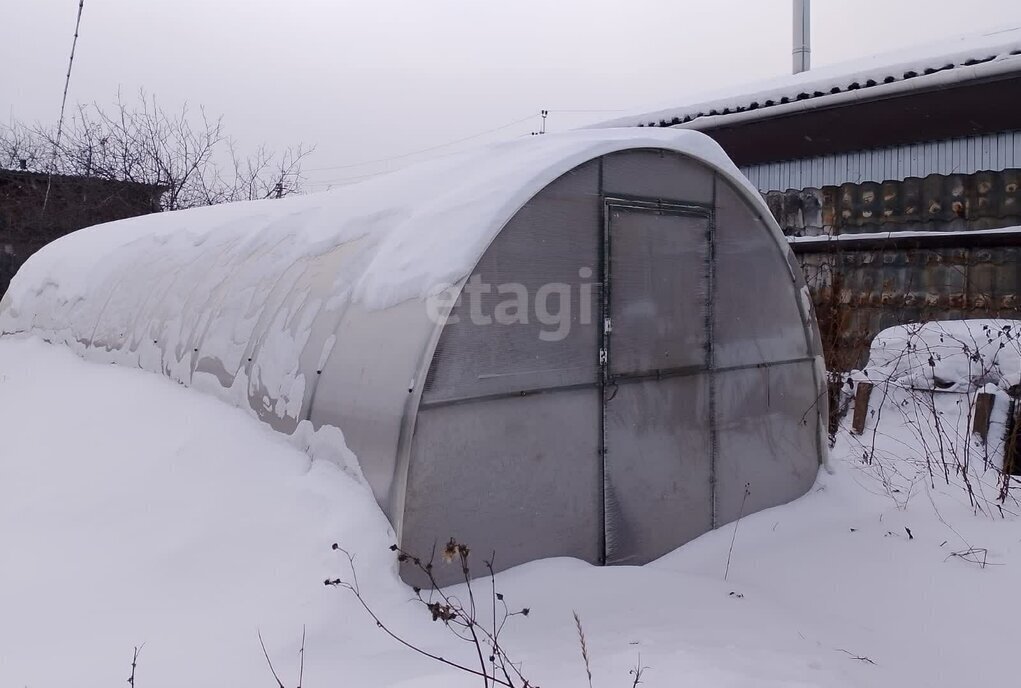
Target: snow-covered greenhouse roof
point(933, 65)
point(365, 319)
point(400, 214)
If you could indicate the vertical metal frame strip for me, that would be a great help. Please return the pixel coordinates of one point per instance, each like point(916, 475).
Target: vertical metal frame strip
point(604, 346)
point(710, 322)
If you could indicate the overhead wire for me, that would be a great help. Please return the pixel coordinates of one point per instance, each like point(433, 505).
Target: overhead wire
point(424, 150)
point(570, 111)
point(343, 180)
point(63, 105)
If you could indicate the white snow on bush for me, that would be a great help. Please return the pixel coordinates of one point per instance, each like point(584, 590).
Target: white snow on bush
point(133, 510)
point(956, 355)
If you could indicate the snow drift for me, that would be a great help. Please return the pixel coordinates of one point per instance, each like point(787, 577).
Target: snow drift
point(134, 511)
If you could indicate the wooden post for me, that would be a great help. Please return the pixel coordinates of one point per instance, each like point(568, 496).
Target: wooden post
point(861, 407)
point(834, 390)
point(983, 412)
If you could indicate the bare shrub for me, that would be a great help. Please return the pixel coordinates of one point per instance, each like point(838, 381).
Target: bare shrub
point(272, 669)
point(184, 151)
point(461, 616)
point(937, 410)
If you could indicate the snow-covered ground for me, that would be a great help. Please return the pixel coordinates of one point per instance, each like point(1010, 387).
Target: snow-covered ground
point(133, 510)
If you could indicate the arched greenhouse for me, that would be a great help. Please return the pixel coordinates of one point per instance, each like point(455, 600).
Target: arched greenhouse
point(594, 344)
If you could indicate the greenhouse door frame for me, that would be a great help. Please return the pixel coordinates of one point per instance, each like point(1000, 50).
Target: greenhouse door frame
point(610, 382)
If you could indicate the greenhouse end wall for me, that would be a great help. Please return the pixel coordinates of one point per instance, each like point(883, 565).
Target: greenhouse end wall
point(686, 378)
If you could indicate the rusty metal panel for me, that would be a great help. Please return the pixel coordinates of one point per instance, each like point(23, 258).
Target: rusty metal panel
point(861, 287)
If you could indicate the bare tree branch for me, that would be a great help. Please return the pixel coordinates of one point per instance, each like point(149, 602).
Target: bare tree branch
point(184, 151)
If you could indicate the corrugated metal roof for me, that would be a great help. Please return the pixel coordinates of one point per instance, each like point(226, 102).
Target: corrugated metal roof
point(933, 65)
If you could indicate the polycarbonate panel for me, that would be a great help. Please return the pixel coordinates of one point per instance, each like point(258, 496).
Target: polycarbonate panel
point(305, 321)
point(658, 467)
point(657, 174)
point(375, 418)
point(260, 370)
point(226, 340)
point(115, 324)
point(527, 317)
point(757, 318)
point(517, 475)
point(142, 317)
point(658, 282)
point(210, 284)
point(177, 312)
point(767, 434)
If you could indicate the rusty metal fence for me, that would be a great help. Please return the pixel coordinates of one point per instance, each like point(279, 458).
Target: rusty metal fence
point(862, 287)
point(875, 255)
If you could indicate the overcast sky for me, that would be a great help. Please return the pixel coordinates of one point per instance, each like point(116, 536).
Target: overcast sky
point(369, 80)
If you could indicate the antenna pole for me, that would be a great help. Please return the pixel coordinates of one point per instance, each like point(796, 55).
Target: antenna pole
point(802, 36)
point(542, 126)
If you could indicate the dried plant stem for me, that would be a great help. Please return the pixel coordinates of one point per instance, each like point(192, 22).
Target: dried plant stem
point(449, 611)
point(134, 665)
point(733, 537)
point(584, 647)
point(301, 658)
point(280, 684)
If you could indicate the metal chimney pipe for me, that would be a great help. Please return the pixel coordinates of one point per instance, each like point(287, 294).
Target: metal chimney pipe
point(802, 36)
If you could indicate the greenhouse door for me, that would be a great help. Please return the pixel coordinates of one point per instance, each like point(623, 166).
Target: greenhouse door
point(656, 441)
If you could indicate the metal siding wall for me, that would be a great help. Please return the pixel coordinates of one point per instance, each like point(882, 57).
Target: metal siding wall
point(992, 152)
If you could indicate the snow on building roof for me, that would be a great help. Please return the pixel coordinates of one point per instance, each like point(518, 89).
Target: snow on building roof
point(862, 237)
point(928, 66)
